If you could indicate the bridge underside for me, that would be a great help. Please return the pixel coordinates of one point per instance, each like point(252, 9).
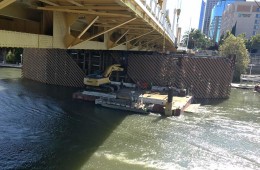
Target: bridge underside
point(83, 24)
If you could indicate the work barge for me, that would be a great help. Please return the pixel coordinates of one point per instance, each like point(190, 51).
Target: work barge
point(161, 100)
point(185, 74)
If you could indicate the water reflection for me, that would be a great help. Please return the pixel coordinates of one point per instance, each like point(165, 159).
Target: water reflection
point(41, 127)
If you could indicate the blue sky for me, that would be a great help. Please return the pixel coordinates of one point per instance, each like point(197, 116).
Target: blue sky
point(190, 12)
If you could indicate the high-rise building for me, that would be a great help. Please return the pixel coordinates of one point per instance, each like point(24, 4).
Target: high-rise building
point(216, 18)
point(202, 14)
point(209, 5)
point(241, 17)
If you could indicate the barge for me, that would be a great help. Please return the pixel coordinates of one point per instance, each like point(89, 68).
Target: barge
point(140, 101)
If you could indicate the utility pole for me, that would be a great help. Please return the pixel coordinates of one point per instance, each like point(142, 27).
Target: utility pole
point(189, 35)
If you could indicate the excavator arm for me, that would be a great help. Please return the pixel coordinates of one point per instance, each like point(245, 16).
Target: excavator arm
point(102, 82)
point(110, 69)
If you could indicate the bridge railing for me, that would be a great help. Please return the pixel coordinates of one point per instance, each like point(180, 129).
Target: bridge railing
point(253, 78)
point(155, 9)
point(255, 59)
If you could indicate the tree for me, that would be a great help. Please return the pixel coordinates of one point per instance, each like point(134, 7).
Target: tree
point(13, 55)
point(10, 57)
point(236, 46)
point(223, 37)
point(254, 43)
point(194, 39)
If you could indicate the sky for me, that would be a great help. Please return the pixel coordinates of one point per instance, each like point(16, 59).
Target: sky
point(190, 12)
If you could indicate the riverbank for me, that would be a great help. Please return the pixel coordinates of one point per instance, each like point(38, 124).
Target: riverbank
point(10, 65)
point(10, 73)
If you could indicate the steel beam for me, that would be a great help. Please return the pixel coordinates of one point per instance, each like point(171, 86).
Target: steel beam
point(110, 29)
point(83, 31)
point(5, 3)
point(84, 12)
point(135, 38)
point(49, 2)
point(121, 36)
point(74, 2)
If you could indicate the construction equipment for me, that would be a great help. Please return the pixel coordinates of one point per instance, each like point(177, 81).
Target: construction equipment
point(97, 82)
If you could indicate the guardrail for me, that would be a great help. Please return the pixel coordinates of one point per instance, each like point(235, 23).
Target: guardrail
point(247, 77)
point(255, 59)
point(155, 9)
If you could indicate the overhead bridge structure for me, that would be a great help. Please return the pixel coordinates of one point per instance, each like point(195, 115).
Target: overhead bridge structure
point(65, 40)
point(138, 25)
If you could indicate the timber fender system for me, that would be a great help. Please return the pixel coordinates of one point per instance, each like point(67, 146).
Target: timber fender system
point(203, 77)
point(51, 66)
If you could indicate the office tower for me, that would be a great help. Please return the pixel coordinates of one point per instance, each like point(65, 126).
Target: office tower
point(209, 5)
point(241, 17)
point(202, 14)
point(216, 18)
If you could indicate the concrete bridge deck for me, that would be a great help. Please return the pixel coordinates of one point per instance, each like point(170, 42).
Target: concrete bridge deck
point(86, 24)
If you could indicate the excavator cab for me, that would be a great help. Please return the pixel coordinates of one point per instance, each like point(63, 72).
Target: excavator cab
point(101, 82)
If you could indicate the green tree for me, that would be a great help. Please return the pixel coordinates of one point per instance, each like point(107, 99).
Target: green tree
point(223, 37)
point(195, 39)
point(236, 46)
point(254, 43)
point(14, 55)
point(243, 36)
point(10, 57)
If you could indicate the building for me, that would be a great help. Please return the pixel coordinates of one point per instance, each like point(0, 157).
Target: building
point(241, 17)
point(202, 14)
point(216, 18)
point(209, 5)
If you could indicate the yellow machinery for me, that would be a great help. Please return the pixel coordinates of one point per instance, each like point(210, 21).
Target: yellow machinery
point(101, 82)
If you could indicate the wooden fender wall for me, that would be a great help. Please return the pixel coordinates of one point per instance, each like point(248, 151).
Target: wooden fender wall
point(51, 66)
point(203, 77)
point(157, 69)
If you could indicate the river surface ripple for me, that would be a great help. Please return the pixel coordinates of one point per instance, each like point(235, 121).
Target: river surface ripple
point(41, 127)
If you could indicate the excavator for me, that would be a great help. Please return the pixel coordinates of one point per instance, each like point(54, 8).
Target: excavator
point(101, 82)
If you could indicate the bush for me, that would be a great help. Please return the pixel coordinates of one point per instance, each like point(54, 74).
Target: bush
point(14, 55)
point(10, 57)
point(236, 46)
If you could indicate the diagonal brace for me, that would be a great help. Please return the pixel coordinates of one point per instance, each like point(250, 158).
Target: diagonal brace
point(135, 38)
point(94, 36)
point(84, 31)
point(5, 3)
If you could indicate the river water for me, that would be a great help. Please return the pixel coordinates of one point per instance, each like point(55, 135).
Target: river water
point(41, 127)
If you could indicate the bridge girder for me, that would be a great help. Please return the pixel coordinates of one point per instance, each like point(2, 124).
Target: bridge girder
point(116, 23)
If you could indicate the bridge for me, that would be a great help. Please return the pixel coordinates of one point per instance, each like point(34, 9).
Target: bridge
point(138, 25)
point(65, 40)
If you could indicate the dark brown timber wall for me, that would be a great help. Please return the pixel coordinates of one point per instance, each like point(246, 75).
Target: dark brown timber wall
point(203, 77)
point(51, 66)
